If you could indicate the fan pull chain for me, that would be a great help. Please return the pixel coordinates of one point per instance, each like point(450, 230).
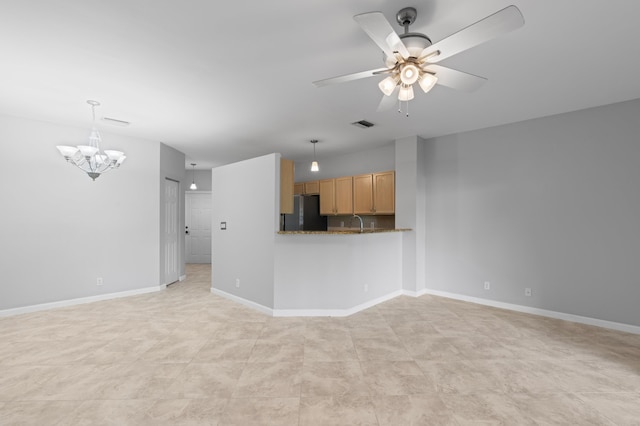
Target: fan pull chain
point(400, 107)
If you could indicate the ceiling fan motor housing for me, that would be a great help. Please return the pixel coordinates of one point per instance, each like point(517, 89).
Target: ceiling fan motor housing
point(415, 44)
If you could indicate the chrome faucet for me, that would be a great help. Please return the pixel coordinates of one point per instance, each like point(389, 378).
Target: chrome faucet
point(361, 223)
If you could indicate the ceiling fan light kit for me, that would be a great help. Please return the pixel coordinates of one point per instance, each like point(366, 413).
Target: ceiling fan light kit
point(411, 57)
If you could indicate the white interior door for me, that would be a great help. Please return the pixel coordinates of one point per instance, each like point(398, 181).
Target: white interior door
point(198, 227)
point(171, 220)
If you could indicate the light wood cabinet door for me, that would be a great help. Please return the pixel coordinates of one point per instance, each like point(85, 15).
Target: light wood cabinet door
point(326, 189)
point(312, 188)
point(374, 193)
point(298, 188)
point(384, 201)
point(286, 186)
point(363, 194)
point(343, 187)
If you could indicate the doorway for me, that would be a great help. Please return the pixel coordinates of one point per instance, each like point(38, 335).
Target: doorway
point(198, 227)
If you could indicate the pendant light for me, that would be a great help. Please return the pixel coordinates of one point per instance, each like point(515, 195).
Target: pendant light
point(193, 186)
point(314, 163)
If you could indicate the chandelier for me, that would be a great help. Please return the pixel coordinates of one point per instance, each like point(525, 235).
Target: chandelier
point(88, 158)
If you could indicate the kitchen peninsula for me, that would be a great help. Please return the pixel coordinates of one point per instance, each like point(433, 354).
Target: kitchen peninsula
point(336, 273)
point(315, 273)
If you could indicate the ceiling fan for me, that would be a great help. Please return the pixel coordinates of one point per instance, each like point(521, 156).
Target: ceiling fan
point(411, 57)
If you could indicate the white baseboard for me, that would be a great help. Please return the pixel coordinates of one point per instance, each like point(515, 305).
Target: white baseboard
point(182, 278)
point(245, 302)
point(79, 301)
point(335, 312)
point(307, 312)
point(537, 311)
point(414, 293)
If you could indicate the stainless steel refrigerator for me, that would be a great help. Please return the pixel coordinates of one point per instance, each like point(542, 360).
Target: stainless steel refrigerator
point(305, 216)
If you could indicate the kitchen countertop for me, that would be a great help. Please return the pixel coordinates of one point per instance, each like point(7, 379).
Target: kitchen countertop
point(344, 232)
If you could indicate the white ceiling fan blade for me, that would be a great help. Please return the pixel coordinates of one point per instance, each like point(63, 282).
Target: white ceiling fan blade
point(349, 77)
point(456, 79)
point(388, 102)
point(501, 22)
point(379, 29)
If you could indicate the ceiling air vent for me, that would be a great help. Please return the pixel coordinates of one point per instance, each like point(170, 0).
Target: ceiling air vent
point(363, 124)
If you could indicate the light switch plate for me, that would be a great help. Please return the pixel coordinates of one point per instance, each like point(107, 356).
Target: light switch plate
point(223, 225)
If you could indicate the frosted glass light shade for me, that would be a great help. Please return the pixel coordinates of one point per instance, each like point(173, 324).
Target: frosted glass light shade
point(67, 151)
point(113, 155)
point(193, 186)
point(406, 93)
point(315, 167)
point(87, 151)
point(427, 81)
point(388, 85)
point(409, 74)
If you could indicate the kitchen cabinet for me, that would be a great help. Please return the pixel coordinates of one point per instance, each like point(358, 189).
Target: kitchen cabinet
point(336, 196)
point(306, 188)
point(374, 193)
point(286, 186)
point(312, 188)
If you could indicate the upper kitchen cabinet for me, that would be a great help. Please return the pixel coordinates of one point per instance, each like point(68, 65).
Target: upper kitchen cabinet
point(307, 188)
point(312, 188)
point(286, 186)
point(374, 193)
point(336, 196)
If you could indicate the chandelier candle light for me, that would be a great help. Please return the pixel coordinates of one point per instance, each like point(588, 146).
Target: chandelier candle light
point(88, 158)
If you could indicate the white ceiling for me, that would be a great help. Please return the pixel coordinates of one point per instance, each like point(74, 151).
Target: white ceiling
point(224, 81)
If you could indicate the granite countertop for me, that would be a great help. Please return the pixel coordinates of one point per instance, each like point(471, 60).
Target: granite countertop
point(344, 232)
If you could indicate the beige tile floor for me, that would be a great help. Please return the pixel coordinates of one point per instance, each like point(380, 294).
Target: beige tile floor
point(186, 357)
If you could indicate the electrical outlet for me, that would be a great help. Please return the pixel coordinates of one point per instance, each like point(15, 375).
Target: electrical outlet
point(341, 224)
point(487, 285)
point(99, 281)
point(527, 291)
point(237, 282)
point(366, 288)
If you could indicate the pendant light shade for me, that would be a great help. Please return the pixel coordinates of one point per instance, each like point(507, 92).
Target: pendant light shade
point(314, 164)
point(193, 186)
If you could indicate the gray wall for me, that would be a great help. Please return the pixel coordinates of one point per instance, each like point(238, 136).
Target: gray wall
point(60, 230)
point(202, 179)
point(246, 196)
point(552, 204)
point(373, 160)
